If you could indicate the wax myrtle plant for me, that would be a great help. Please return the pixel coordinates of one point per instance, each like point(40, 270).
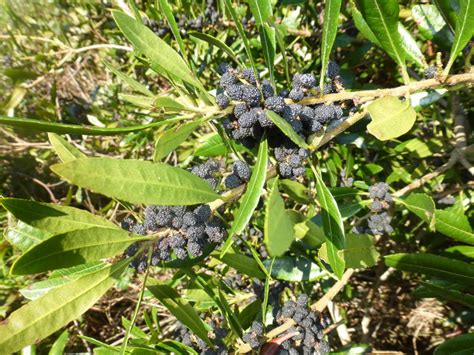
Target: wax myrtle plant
point(274, 180)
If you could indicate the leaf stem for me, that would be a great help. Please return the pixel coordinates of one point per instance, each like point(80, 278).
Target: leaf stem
point(137, 307)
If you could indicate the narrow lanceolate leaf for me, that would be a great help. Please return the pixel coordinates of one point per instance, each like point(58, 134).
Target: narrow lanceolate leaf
point(53, 218)
point(463, 31)
point(268, 40)
point(24, 236)
point(460, 345)
point(182, 310)
point(278, 226)
point(249, 201)
point(448, 294)
point(135, 85)
point(261, 10)
point(168, 12)
point(331, 17)
point(60, 277)
point(60, 344)
point(359, 253)
point(154, 48)
point(286, 128)
point(215, 42)
point(454, 225)
point(63, 128)
point(422, 205)
point(137, 181)
point(382, 18)
point(391, 118)
point(212, 146)
point(295, 269)
point(333, 227)
point(171, 139)
point(42, 317)
point(241, 263)
point(65, 150)
point(433, 265)
point(412, 51)
point(73, 248)
point(235, 17)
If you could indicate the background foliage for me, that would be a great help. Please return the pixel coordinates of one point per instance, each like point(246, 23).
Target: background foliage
point(106, 107)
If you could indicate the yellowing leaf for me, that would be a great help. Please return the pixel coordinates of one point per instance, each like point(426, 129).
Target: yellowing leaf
point(391, 118)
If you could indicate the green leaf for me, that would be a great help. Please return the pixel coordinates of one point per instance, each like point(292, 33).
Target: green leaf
point(359, 253)
point(331, 20)
point(135, 85)
point(249, 313)
point(333, 227)
point(141, 101)
point(432, 25)
point(278, 227)
point(286, 128)
point(268, 40)
point(422, 205)
point(450, 295)
point(381, 17)
point(463, 31)
point(362, 26)
point(137, 181)
point(449, 10)
point(73, 248)
point(60, 277)
point(243, 264)
point(215, 42)
point(310, 232)
point(250, 199)
point(248, 49)
point(261, 10)
point(53, 218)
point(454, 225)
point(391, 118)
point(461, 345)
point(170, 104)
point(42, 317)
point(154, 48)
point(63, 128)
point(296, 190)
point(182, 310)
point(410, 46)
point(60, 344)
point(168, 12)
point(213, 146)
point(175, 347)
point(295, 269)
point(65, 150)
point(24, 236)
point(463, 250)
point(171, 139)
point(433, 265)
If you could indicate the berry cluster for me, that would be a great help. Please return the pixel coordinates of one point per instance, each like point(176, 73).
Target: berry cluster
point(308, 330)
point(379, 222)
point(291, 161)
point(186, 337)
point(255, 237)
point(240, 174)
point(248, 121)
point(184, 231)
point(430, 72)
point(208, 171)
point(211, 17)
point(254, 336)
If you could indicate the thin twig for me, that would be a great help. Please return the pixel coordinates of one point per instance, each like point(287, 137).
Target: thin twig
point(467, 78)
